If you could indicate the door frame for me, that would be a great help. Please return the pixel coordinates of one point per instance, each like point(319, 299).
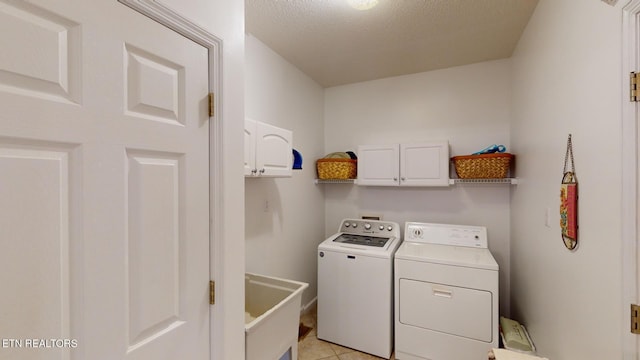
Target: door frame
point(629, 220)
point(185, 27)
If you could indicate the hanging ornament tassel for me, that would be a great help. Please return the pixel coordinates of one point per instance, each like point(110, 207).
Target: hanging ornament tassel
point(569, 201)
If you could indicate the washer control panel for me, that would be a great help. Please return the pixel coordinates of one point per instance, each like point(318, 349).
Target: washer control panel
point(444, 234)
point(370, 227)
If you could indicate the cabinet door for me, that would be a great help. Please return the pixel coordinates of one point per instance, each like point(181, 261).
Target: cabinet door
point(250, 147)
point(378, 165)
point(274, 155)
point(425, 164)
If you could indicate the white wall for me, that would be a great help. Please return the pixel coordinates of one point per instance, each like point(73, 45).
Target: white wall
point(567, 79)
point(282, 240)
point(470, 106)
point(225, 20)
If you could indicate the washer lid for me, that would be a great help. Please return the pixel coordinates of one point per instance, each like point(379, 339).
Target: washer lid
point(447, 255)
point(385, 251)
point(364, 240)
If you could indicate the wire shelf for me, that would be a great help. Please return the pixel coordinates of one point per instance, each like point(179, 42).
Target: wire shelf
point(511, 181)
point(335, 181)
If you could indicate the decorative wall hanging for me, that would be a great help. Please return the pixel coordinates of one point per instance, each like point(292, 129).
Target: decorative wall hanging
point(569, 201)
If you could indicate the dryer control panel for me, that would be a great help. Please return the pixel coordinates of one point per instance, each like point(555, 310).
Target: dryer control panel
point(445, 234)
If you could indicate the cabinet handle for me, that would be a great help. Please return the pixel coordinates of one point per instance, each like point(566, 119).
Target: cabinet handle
point(395, 179)
point(262, 171)
point(403, 179)
point(254, 171)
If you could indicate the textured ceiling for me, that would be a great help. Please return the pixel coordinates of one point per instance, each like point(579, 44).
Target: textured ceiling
point(335, 44)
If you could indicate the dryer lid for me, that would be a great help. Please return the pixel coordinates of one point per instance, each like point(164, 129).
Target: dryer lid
point(447, 255)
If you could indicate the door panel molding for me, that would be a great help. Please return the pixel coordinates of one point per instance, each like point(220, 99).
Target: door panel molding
point(49, 68)
point(148, 76)
point(40, 306)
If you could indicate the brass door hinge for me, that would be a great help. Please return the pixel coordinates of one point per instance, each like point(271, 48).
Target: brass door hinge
point(635, 327)
point(212, 292)
point(211, 104)
point(633, 87)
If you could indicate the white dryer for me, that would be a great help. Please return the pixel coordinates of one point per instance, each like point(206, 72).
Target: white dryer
point(446, 293)
point(355, 286)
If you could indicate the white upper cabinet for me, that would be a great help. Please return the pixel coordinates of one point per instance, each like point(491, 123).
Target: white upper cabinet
point(423, 164)
point(378, 165)
point(268, 150)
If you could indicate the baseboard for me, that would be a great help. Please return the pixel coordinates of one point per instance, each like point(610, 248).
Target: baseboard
point(309, 306)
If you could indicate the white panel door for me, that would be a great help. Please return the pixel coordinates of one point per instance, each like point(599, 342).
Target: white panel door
point(104, 178)
point(378, 165)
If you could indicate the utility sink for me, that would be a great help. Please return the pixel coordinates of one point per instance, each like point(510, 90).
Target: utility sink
point(272, 315)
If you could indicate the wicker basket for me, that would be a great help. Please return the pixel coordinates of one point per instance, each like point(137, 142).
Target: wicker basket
point(337, 168)
point(485, 166)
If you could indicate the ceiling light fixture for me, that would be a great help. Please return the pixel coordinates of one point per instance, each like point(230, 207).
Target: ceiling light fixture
point(362, 4)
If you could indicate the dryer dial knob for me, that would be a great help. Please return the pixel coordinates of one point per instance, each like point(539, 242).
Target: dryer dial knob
point(381, 227)
point(354, 225)
point(389, 227)
point(347, 224)
point(367, 226)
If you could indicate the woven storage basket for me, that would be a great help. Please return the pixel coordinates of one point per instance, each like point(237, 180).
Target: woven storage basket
point(337, 168)
point(484, 166)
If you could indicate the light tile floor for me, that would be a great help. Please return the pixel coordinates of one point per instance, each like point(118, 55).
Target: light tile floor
point(312, 348)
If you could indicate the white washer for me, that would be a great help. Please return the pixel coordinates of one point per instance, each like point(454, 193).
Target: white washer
point(446, 293)
point(355, 286)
